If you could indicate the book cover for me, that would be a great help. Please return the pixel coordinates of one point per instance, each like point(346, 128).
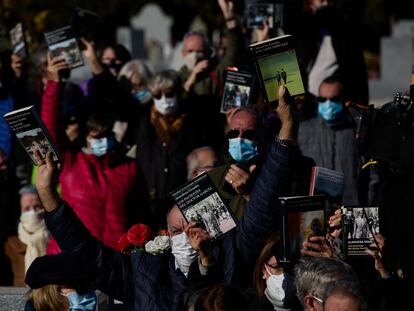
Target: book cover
point(277, 64)
point(257, 11)
point(62, 43)
point(359, 225)
point(200, 202)
point(32, 132)
point(302, 217)
point(326, 181)
point(238, 88)
point(18, 40)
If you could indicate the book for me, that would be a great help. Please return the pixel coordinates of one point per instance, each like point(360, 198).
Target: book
point(200, 202)
point(32, 132)
point(18, 40)
point(277, 64)
point(257, 11)
point(326, 181)
point(238, 88)
point(301, 218)
point(359, 225)
point(62, 43)
point(84, 23)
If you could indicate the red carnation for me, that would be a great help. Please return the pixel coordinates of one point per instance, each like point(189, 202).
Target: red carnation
point(123, 243)
point(163, 232)
point(139, 234)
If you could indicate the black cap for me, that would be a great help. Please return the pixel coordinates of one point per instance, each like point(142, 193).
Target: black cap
point(62, 269)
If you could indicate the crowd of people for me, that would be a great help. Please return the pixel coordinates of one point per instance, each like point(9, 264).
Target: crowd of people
point(129, 136)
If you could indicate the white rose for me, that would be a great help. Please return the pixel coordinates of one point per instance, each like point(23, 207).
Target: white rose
point(151, 248)
point(162, 242)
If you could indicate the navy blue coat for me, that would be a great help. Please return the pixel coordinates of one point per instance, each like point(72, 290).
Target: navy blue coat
point(150, 282)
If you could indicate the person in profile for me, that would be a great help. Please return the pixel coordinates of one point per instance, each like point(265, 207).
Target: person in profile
point(283, 74)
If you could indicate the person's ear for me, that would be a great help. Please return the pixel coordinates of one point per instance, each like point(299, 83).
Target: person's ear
point(309, 303)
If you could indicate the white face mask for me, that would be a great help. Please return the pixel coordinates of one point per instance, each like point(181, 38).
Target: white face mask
point(184, 254)
point(280, 288)
point(166, 105)
point(32, 220)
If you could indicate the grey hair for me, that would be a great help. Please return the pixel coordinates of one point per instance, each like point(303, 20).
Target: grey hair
point(136, 67)
point(193, 162)
point(322, 277)
point(164, 80)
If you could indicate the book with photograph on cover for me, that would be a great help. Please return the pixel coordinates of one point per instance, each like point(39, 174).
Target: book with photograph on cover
point(62, 43)
point(277, 64)
point(84, 23)
point(302, 217)
point(200, 202)
point(32, 132)
point(238, 88)
point(359, 225)
point(18, 40)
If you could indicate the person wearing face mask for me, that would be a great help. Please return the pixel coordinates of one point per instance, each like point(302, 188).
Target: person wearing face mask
point(328, 44)
point(93, 170)
point(32, 230)
point(165, 134)
point(156, 282)
point(329, 138)
point(235, 178)
point(273, 281)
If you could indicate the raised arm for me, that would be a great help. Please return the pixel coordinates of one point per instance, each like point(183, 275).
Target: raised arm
point(260, 218)
point(115, 272)
point(51, 101)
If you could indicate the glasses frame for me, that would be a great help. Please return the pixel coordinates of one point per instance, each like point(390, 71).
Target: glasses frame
point(243, 133)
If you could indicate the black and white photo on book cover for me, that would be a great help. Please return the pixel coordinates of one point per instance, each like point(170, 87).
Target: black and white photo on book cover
point(200, 202)
point(63, 44)
point(31, 132)
point(237, 90)
point(359, 225)
point(18, 40)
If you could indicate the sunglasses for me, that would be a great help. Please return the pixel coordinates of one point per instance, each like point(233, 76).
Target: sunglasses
point(244, 133)
point(334, 99)
point(169, 94)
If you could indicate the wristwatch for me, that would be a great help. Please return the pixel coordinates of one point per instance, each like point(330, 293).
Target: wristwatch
point(286, 142)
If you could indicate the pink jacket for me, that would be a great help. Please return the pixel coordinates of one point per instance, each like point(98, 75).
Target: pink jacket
point(100, 194)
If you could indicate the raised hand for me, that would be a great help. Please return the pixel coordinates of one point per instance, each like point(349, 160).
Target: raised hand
point(200, 241)
point(227, 7)
point(378, 252)
point(334, 223)
point(240, 179)
point(53, 67)
point(45, 184)
point(90, 54)
point(288, 116)
point(17, 65)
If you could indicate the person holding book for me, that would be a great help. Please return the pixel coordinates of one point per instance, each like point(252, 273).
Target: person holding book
point(101, 184)
point(156, 282)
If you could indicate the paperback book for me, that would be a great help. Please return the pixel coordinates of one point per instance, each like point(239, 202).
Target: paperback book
point(84, 23)
point(277, 64)
point(200, 202)
point(18, 40)
point(359, 225)
point(259, 11)
point(32, 132)
point(62, 43)
point(238, 88)
point(302, 217)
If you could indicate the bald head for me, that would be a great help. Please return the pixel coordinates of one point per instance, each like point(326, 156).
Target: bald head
point(175, 221)
point(200, 160)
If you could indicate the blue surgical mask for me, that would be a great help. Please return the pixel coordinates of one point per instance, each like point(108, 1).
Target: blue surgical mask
point(82, 302)
point(242, 149)
point(101, 146)
point(330, 110)
point(143, 96)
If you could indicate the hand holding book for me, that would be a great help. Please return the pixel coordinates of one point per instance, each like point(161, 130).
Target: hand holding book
point(287, 112)
point(200, 241)
point(54, 66)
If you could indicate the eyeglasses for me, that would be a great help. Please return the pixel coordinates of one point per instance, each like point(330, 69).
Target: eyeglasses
point(334, 99)
point(275, 266)
point(169, 93)
point(317, 299)
point(244, 133)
